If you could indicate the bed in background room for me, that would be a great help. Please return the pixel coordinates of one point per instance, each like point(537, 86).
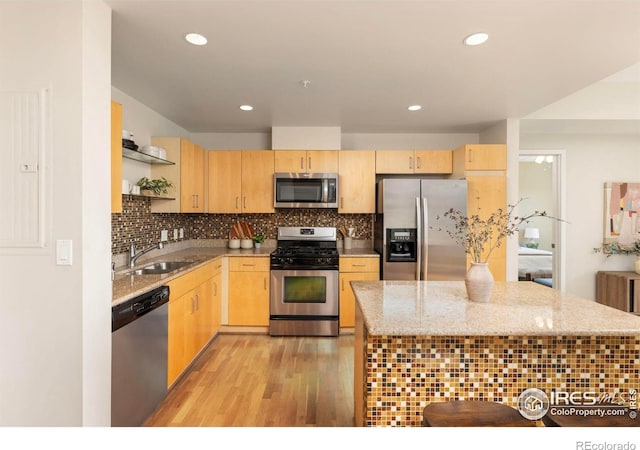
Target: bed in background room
point(534, 263)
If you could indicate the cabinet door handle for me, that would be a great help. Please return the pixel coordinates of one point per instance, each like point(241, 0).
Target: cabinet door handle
point(245, 202)
point(418, 163)
point(341, 202)
point(264, 281)
point(215, 289)
point(358, 265)
point(309, 162)
point(410, 162)
point(302, 162)
point(470, 155)
point(343, 285)
point(237, 198)
point(248, 265)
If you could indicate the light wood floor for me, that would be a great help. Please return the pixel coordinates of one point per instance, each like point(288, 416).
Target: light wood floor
point(263, 381)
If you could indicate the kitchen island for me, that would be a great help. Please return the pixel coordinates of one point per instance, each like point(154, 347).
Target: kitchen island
point(420, 342)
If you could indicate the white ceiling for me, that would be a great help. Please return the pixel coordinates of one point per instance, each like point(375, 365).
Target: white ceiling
point(366, 60)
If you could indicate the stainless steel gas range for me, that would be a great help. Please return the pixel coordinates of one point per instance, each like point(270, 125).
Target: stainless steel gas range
point(304, 297)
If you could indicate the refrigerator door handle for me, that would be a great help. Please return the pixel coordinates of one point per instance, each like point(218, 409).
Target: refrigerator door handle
point(425, 237)
point(419, 238)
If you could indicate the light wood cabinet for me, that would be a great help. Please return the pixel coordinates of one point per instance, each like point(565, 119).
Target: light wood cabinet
point(248, 291)
point(216, 318)
point(482, 156)
point(187, 175)
point(354, 269)
point(192, 316)
point(357, 183)
point(240, 181)
point(414, 161)
point(484, 167)
point(116, 157)
point(308, 161)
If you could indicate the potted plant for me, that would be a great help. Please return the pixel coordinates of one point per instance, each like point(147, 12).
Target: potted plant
point(617, 249)
point(258, 239)
point(480, 237)
point(158, 187)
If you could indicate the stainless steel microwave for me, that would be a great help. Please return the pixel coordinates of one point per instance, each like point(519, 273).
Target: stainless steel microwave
point(305, 190)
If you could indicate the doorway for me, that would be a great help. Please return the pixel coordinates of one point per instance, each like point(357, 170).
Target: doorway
point(541, 242)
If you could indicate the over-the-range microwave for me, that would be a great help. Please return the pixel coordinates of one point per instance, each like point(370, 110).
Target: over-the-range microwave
point(305, 190)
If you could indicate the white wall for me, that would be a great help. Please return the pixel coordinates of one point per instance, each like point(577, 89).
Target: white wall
point(406, 141)
point(233, 141)
point(591, 160)
point(55, 320)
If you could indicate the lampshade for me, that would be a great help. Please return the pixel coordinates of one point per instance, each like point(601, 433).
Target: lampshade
point(531, 233)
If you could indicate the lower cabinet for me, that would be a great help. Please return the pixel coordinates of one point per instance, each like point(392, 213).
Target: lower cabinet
point(354, 269)
point(194, 316)
point(249, 291)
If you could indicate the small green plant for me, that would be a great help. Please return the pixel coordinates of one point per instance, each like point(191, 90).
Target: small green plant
point(159, 187)
point(258, 238)
point(617, 249)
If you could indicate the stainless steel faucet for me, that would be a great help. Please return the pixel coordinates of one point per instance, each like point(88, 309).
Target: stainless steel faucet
point(133, 256)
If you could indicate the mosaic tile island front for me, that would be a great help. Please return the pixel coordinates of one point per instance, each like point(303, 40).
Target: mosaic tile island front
point(423, 342)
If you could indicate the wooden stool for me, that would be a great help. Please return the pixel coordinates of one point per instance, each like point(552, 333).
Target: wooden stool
point(469, 413)
point(550, 420)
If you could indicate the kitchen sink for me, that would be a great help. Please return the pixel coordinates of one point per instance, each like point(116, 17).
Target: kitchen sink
point(159, 268)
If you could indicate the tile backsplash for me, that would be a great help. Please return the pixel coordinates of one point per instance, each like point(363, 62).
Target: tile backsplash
point(138, 225)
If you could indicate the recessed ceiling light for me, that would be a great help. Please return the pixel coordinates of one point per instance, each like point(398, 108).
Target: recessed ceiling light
point(246, 107)
point(195, 39)
point(476, 39)
point(414, 108)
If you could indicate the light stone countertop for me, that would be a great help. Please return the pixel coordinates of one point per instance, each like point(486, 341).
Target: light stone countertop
point(126, 286)
point(517, 308)
point(359, 253)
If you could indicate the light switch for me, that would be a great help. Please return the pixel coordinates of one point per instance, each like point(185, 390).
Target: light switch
point(181, 233)
point(175, 234)
point(164, 235)
point(64, 252)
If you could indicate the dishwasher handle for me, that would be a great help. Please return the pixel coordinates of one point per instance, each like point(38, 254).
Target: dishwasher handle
point(132, 309)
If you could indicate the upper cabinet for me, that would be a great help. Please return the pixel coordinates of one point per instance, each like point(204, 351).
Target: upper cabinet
point(481, 157)
point(116, 157)
point(357, 183)
point(414, 161)
point(240, 181)
point(187, 176)
point(308, 161)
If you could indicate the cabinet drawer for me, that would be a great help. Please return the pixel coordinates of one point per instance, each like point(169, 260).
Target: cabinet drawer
point(190, 280)
point(248, 264)
point(364, 264)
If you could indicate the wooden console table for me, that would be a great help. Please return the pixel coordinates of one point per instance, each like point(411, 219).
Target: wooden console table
point(619, 289)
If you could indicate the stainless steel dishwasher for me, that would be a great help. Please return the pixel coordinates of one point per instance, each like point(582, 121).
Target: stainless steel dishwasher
point(139, 357)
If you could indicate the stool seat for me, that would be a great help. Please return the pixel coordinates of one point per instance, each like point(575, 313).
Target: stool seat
point(573, 420)
point(472, 413)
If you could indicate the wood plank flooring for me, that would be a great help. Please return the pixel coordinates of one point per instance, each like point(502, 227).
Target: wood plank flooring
point(264, 381)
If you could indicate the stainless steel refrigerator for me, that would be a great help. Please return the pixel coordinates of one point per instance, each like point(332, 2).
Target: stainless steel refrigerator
point(406, 230)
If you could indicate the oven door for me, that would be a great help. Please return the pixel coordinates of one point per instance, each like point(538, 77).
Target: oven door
point(304, 293)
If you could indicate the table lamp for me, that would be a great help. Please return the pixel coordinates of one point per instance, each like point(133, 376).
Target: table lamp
point(532, 234)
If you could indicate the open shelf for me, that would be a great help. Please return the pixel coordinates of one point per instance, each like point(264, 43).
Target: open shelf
point(137, 156)
point(152, 197)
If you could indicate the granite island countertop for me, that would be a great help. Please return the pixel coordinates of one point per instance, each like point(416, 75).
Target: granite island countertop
point(518, 308)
